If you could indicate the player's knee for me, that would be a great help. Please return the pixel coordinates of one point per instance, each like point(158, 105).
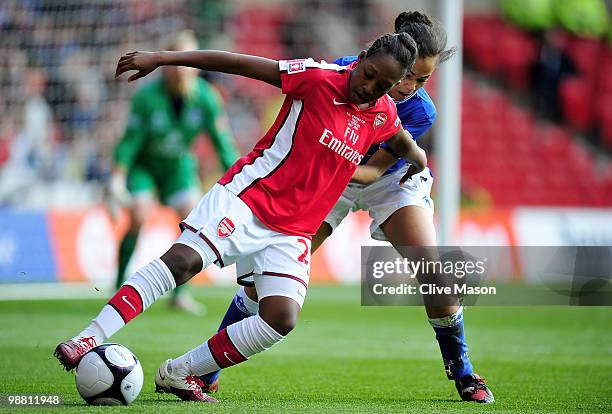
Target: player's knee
point(281, 322)
point(280, 312)
point(183, 262)
point(136, 224)
point(441, 311)
point(139, 214)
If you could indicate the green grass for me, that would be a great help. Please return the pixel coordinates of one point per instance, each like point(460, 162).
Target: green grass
point(342, 358)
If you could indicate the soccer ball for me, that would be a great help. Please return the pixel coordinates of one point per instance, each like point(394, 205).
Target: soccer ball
point(109, 374)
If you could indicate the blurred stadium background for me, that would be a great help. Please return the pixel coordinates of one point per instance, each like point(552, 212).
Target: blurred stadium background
point(536, 121)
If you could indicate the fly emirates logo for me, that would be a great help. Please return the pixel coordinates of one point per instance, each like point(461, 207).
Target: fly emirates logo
point(343, 147)
point(340, 147)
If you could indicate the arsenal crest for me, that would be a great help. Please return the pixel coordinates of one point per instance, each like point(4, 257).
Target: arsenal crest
point(379, 120)
point(225, 228)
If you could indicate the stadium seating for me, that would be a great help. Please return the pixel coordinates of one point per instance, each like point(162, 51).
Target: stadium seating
point(522, 162)
point(528, 162)
point(257, 31)
point(486, 36)
point(576, 96)
point(499, 50)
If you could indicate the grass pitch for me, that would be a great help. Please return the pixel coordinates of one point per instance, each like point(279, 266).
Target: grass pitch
point(341, 358)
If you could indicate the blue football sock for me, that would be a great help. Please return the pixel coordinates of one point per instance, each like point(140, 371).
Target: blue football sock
point(241, 307)
point(451, 338)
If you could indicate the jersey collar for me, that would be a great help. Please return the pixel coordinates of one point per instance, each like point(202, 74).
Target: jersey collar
point(406, 98)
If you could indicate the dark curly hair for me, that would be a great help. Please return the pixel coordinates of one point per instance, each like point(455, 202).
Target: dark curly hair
point(429, 34)
point(399, 45)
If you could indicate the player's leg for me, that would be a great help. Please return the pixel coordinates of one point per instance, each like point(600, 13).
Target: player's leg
point(241, 306)
point(279, 307)
point(413, 226)
point(325, 230)
point(179, 264)
point(142, 188)
point(181, 192)
point(181, 297)
point(192, 252)
point(282, 290)
point(244, 302)
point(248, 294)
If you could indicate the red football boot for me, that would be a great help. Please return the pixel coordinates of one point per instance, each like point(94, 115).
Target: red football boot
point(70, 352)
point(472, 387)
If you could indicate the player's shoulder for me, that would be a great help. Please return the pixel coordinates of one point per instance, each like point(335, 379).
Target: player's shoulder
point(292, 66)
point(426, 102)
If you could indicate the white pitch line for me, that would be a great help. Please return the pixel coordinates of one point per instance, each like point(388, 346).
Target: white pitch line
point(53, 291)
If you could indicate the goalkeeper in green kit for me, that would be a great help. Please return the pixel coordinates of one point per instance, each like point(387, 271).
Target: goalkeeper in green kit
point(153, 158)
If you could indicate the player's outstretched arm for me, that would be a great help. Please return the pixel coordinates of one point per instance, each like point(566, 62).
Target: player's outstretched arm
point(254, 67)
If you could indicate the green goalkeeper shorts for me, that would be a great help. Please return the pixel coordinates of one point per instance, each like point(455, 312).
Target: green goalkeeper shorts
point(166, 183)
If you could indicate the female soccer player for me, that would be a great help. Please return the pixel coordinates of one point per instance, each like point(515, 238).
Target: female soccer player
point(402, 214)
point(270, 203)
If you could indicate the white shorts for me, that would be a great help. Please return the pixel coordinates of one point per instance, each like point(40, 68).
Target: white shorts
point(382, 198)
point(224, 227)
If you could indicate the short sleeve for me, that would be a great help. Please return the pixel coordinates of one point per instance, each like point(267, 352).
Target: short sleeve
point(418, 127)
point(417, 113)
point(299, 76)
point(345, 60)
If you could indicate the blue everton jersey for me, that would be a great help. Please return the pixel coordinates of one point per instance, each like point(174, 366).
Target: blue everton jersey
point(417, 114)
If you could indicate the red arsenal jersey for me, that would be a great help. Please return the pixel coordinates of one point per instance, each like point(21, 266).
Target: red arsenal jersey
point(298, 170)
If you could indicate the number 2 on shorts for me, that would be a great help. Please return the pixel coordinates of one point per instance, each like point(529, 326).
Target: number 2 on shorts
point(303, 257)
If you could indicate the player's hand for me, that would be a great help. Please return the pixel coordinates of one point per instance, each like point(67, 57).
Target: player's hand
point(143, 62)
point(118, 191)
point(418, 162)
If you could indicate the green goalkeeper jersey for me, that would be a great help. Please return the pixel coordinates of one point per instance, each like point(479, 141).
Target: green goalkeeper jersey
point(158, 137)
